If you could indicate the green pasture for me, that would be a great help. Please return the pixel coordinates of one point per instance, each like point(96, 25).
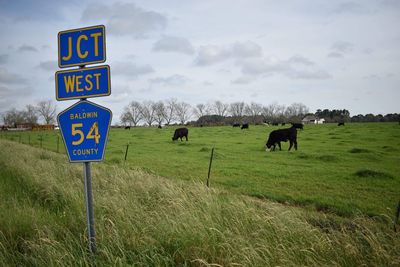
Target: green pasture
point(345, 170)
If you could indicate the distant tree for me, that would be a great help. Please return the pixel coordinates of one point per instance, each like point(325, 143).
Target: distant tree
point(125, 118)
point(296, 111)
point(132, 114)
point(253, 110)
point(160, 112)
point(170, 107)
point(201, 110)
point(220, 108)
point(236, 109)
point(47, 110)
point(148, 112)
point(182, 112)
point(13, 117)
point(30, 114)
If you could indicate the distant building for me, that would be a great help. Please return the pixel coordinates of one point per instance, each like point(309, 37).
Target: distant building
point(312, 119)
point(43, 127)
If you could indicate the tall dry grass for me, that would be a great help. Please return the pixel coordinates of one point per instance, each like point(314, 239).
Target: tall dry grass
point(145, 220)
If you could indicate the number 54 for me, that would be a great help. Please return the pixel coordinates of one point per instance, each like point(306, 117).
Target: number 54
point(92, 134)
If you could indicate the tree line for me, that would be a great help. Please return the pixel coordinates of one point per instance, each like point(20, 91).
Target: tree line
point(31, 114)
point(212, 113)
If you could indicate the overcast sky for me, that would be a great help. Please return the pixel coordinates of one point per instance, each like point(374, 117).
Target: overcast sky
point(324, 54)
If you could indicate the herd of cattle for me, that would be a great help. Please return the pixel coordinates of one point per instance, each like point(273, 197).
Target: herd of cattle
point(275, 137)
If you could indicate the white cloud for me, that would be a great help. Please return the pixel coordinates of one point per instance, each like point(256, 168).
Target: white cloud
point(130, 70)
point(173, 44)
point(211, 54)
point(289, 68)
point(126, 19)
point(246, 49)
point(3, 59)
point(27, 48)
point(174, 80)
point(340, 49)
point(10, 78)
point(50, 65)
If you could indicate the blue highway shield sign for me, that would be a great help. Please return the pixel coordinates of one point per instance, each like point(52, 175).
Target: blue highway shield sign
point(82, 46)
point(83, 83)
point(84, 127)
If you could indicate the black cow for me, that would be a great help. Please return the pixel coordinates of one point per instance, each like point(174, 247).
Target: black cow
point(245, 126)
point(236, 125)
point(298, 125)
point(179, 133)
point(127, 127)
point(275, 124)
point(282, 135)
point(159, 127)
point(340, 124)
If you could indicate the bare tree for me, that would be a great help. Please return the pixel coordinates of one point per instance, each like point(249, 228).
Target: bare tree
point(236, 109)
point(273, 112)
point(253, 110)
point(170, 107)
point(125, 118)
point(220, 108)
point(201, 110)
point(148, 112)
point(183, 112)
point(13, 117)
point(30, 114)
point(47, 110)
point(160, 112)
point(132, 114)
point(295, 111)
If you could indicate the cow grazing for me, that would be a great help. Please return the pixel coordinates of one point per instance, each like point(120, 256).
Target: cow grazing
point(282, 135)
point(245, 126)
point(340, 124)
point(127, 127)
point(298, 125)
point(180, 133)
point(236, 125)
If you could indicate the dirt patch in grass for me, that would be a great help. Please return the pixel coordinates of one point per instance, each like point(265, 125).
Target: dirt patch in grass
point(359, 150)
point(372, 173)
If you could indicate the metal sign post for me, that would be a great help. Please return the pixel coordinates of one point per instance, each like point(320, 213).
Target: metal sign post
point(84, 126)
point(89, 207)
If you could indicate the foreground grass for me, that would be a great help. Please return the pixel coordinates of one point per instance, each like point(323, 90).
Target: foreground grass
point(146, 220)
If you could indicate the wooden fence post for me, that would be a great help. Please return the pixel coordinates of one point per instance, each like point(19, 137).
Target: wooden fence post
point(209, 167)
point(126, 151)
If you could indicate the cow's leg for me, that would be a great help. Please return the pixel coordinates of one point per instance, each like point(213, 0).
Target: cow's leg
point(291, 144)
point(295, 144)
point(279, 144)
point(186, 138)
point(273, 147)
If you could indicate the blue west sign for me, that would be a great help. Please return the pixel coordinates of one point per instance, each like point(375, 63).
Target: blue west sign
point(81, 46)
point(83, 83)
point(84, 127)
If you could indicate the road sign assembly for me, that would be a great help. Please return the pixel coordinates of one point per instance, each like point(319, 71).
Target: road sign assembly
point(84, 126)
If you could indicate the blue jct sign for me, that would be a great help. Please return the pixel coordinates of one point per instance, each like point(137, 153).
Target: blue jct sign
point(84, 127)
point(83, 83)
point(81, 46)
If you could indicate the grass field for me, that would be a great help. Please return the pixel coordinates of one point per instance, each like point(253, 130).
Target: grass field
point(146, 220)
point(345, 170)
